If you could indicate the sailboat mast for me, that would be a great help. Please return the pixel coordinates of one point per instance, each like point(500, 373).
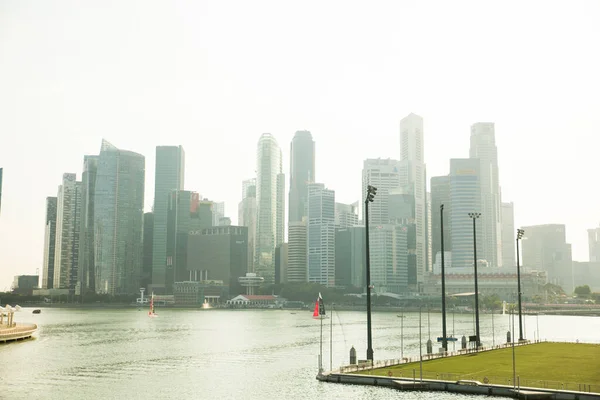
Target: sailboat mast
point(331, 340)
point(321, 356)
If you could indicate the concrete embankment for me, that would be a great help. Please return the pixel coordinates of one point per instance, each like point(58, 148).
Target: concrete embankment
point(462, 387)
point(16, 332)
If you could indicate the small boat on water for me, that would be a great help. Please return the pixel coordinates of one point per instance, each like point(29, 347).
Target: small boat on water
point(37, 311)
point(449, 339)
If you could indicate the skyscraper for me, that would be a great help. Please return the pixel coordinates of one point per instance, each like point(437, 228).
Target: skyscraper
point(247, 217)
point(169, 176)
point(483, 147)
point(297, 266)
point(321, 235)
point(86, 272)
point(68, 218)
point(384, 174)
point(302, 172)
point(465, 198)
point(269, 231)
point(49, 243)
point(118, 220)
point(346, 215)
point(146, 277)
point(412, 158)
point(218, 212)
point(594, 244)
point(508, 235)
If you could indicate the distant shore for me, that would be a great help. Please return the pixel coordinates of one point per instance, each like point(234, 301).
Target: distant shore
point(398, 310)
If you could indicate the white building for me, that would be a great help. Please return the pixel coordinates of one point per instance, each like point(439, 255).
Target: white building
point(508, 235)
point(321, 235)
point(297, 266)
point(270, 204)
point(412, 157)
point(346, 215)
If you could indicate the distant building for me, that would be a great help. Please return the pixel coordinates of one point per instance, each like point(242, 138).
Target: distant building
point(321, 235)
point(191, 293)
point(247, 217)
point(302, 172)
point(346, 215)
point(255, 300)
point(49, 243)
point(218, 212)
point(86, 274)
point(281, 263)
point(24, 284)
point(440, 194)
point(587, 273)
point(219, 253)
point(465, 198)
point(169, 176)
point(270, 203)
point(119, 220)
point(297, 268)
point(545, 249)
point(68, 219)
point(594, 244)
point(350, 257)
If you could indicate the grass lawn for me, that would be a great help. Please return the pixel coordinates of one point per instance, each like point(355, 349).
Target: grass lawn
point(537, 365)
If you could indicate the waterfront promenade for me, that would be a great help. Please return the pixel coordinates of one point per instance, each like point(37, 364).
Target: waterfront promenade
point(543, 370)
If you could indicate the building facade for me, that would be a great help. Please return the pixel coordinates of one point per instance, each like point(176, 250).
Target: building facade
point(169, 176)
point(86, 273)
point(49, 243)
point(118, 220)
point(297, 252)
point(302, 172)
point(247, 217)
point(508, 235)
point(321, 235)
point(269, 202)
point(346, 215)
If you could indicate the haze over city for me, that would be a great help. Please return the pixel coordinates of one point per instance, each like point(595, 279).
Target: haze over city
point(214, 76)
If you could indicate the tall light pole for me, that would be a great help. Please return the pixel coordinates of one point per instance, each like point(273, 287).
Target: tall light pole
point(371, 191)
point(444, 337)
point(474, 216)
point(520, 233)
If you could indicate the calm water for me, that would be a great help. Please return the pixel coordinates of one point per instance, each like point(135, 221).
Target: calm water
point(224, 354)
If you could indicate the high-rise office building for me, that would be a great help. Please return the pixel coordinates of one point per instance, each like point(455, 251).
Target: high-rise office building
point(465, 198)
point(401, 203)
point(594, 244)
point(297, 265)
point(412, 158)
point(321, 235)
point(508, 235)
point(68, 219)
point(169, 176)
point(350, 257)
point(483, 147)
point(346, 215)
point(247, 217)
point(183, 216)
point(218, 212)
point(545, 248)
point(86, 272)
point(219, 254)
point(118, 220)
point(389, 258)
point(269, 202)
point(49, 243)
point(440, 194)
point(302, 172)
point(384, 174)
point(281, 260)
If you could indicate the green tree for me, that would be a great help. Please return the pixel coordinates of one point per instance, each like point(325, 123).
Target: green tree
point(583, 291)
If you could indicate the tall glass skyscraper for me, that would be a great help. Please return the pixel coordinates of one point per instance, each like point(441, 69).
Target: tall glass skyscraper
point(302, 172)
point(118, 220)
point(86, 237)
point(49, 243)
point(270, 204)
point(321, 235)
point(169, 176)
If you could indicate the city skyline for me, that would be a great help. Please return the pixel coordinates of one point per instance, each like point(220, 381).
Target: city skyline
point(351, 105)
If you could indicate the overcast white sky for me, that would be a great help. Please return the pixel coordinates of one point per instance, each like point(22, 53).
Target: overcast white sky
point(213, 76)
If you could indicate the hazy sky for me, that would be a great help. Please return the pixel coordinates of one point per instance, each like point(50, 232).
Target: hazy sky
point(213, 76)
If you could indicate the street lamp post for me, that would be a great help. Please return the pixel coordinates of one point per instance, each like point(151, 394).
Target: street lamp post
point(474, 216)
point(371, 191)
point(444, 336)
point(520, 233)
